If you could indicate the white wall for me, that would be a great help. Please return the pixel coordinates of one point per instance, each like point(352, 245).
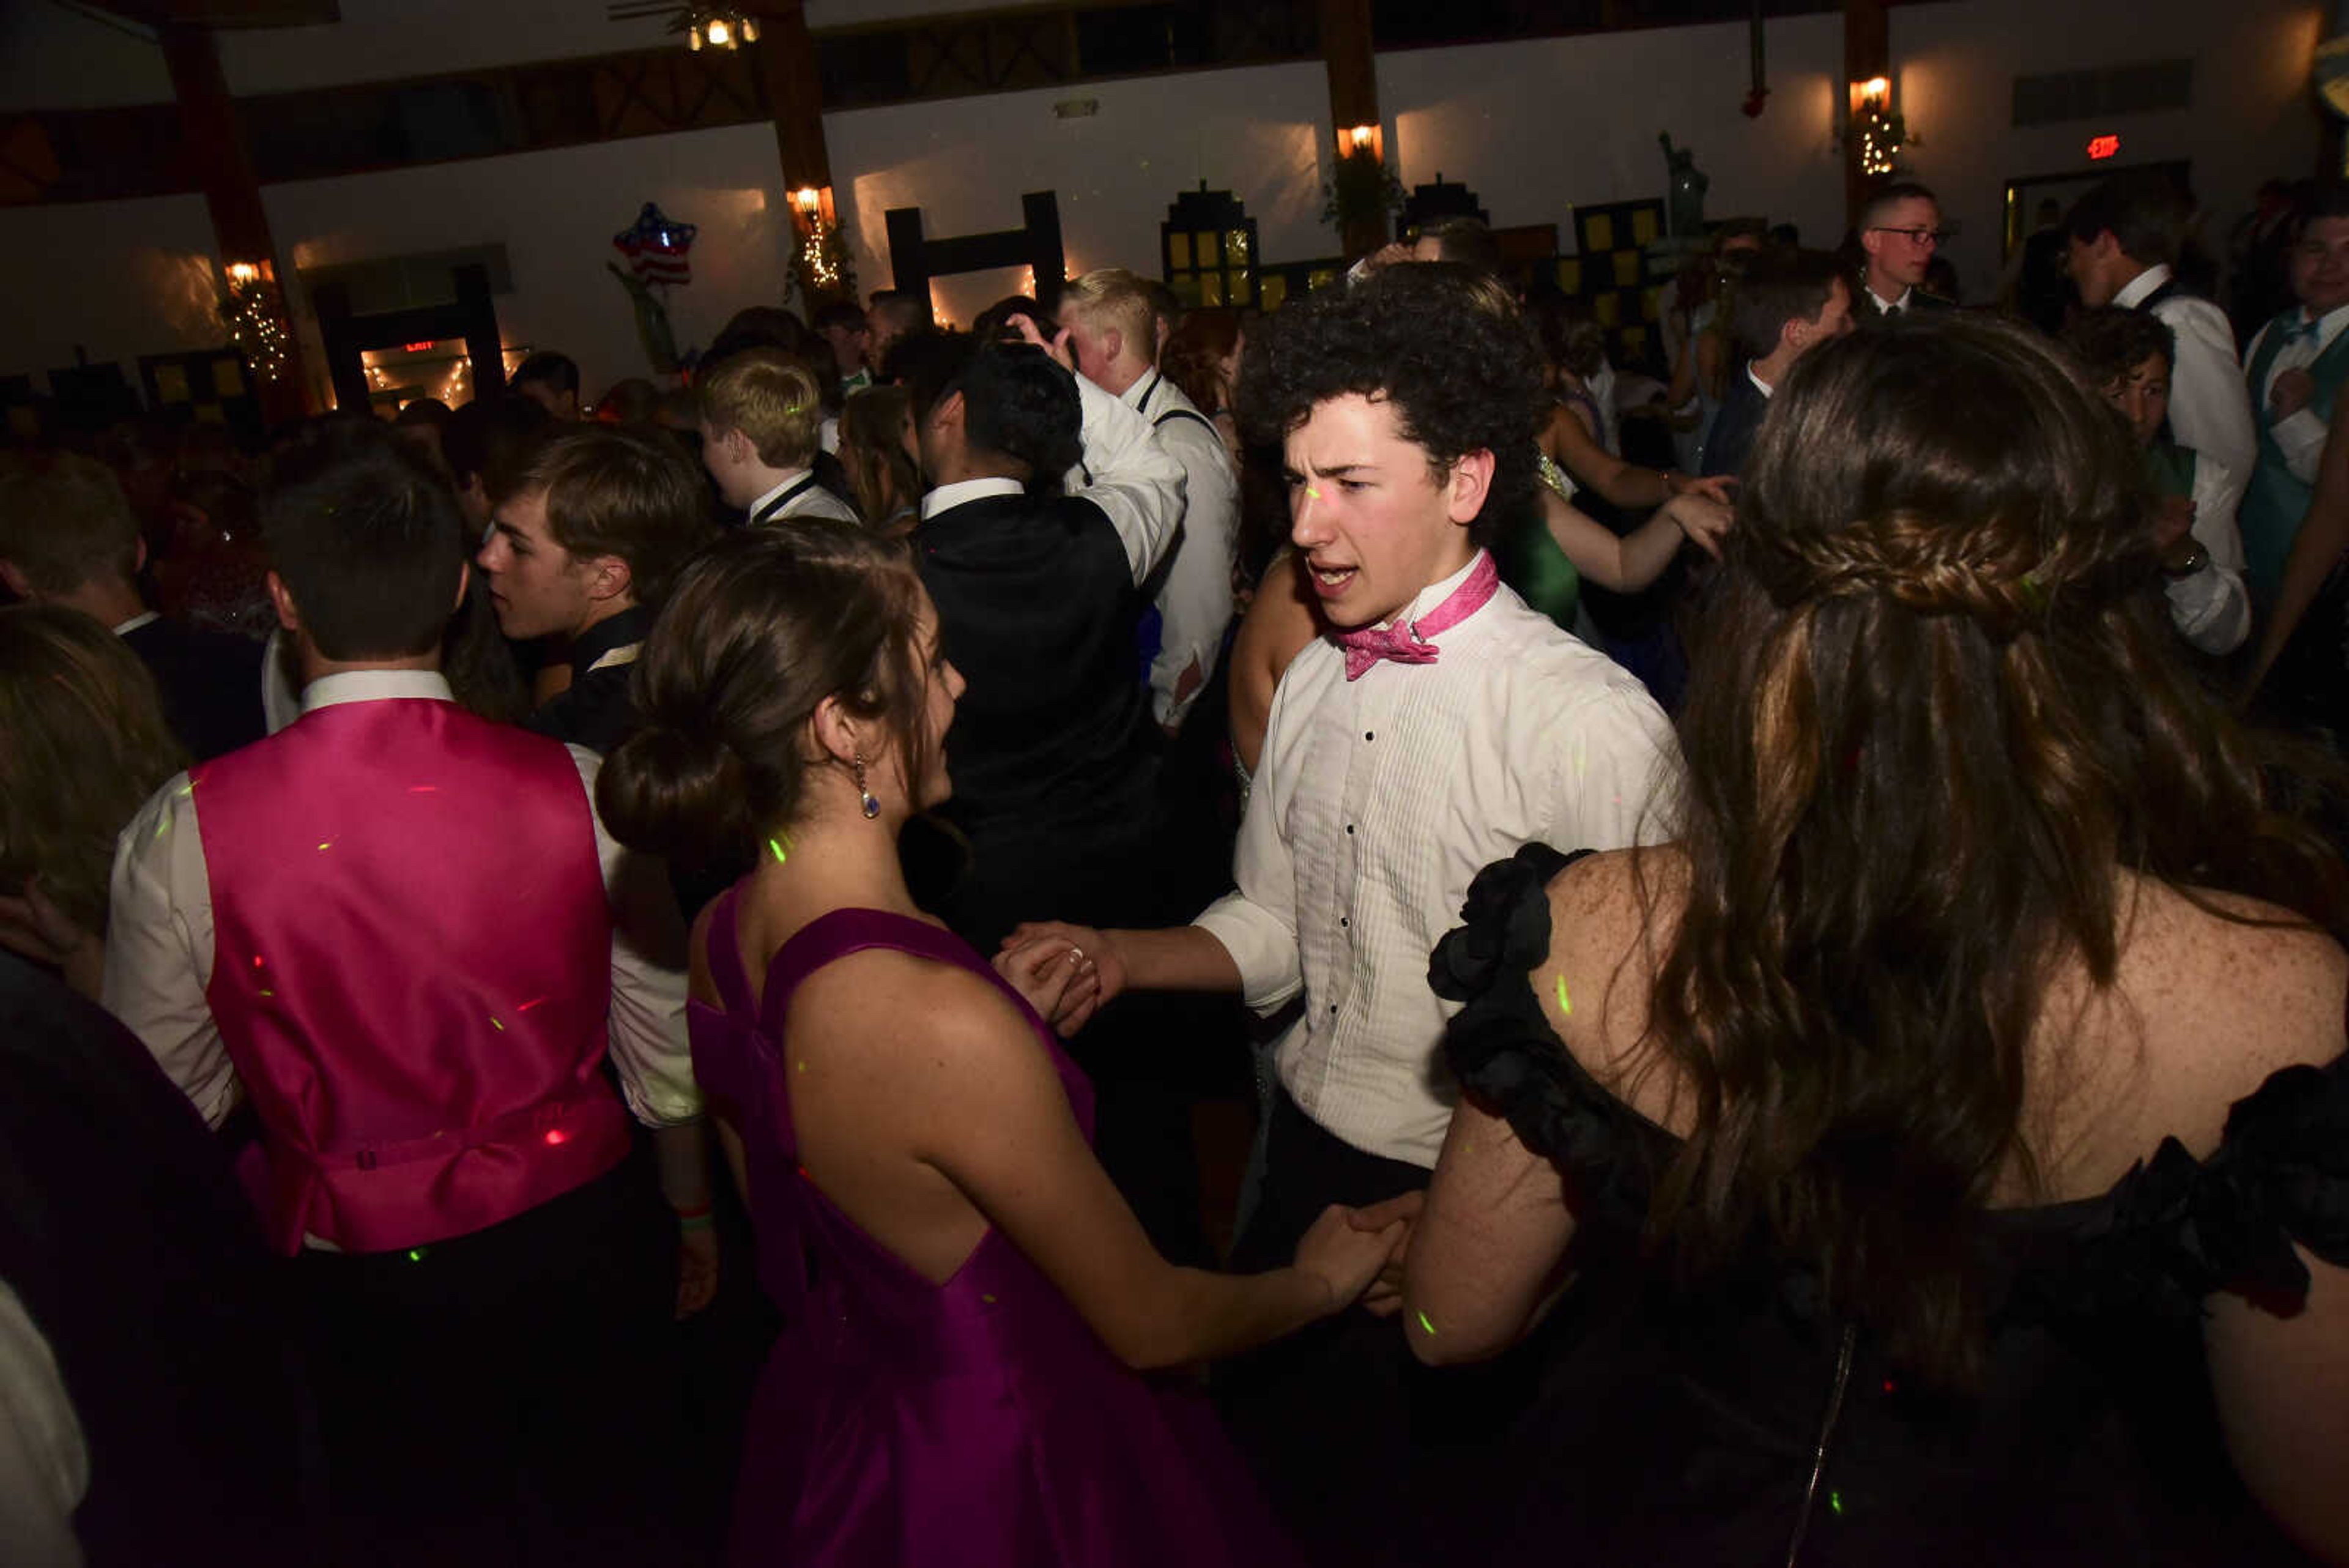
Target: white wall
point(115, 279)
point(2250, 116)
point(1255, 131)
point(1540, 127)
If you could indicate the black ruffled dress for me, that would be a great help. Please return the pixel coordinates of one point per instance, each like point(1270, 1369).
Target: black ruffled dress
point(1681, 1426)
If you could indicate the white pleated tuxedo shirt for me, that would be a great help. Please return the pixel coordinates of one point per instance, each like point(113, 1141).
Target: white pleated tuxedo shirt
point(1378, 800)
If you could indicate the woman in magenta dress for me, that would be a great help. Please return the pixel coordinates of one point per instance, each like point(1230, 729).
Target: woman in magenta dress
point(969, 1307)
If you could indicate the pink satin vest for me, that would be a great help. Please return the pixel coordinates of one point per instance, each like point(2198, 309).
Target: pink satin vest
point(411, 971)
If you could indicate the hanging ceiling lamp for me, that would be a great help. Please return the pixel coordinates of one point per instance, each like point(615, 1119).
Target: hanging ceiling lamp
point(718, 29)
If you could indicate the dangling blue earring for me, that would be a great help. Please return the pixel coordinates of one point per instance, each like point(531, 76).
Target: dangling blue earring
point(865, 796)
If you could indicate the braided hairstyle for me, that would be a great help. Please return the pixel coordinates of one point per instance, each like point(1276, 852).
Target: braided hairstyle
point(1933, 712)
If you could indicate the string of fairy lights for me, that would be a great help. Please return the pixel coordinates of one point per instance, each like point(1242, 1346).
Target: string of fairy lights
point(256, 320)
point(1877, 129)
point(454, 387)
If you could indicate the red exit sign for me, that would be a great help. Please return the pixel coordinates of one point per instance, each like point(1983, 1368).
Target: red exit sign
point(2103, 147)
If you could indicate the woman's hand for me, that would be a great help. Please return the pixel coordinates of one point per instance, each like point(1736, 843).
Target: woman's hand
point(1715, 488)
point(1703, 518)
point(1384, 1298)
point(1054, 969)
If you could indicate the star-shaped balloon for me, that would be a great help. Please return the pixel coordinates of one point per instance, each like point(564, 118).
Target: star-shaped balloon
point(656, 246)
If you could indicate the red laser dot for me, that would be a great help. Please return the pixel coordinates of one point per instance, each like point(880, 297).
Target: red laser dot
point(556, 1135)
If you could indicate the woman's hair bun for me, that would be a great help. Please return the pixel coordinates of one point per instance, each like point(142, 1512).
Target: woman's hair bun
point(679, 793)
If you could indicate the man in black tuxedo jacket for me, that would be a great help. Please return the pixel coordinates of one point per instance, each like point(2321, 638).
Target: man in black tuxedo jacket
point(1053, 752)
point(1788, 302)
point(67, 536)
point(1037, 594)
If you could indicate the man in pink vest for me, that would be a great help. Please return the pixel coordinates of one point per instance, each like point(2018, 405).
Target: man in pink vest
point(400, 933)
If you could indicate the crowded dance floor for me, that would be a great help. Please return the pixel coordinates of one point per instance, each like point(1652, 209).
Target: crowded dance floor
point(1644, 867)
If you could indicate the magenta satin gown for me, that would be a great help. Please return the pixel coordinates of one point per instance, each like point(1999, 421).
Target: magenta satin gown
point(979, 1423)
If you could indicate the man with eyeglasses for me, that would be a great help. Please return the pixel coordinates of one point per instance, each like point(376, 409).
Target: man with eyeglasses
point(1899, 230)
point(2124, 237)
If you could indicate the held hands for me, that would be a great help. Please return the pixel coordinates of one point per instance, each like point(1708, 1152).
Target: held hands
point(1705, 516)
point(1715, 488)
point(1067, 973)
point(1348, 1256)
point(1384, 1298)
point(2292, 391)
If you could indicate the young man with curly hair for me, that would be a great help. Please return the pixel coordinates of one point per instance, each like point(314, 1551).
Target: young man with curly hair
point(1442, 724)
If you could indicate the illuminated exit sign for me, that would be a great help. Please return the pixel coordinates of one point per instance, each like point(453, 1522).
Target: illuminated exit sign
point(2103, 147)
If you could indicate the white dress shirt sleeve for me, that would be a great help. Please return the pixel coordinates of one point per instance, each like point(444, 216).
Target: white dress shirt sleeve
point(1195, 605)
point(1257, 922)
point(2213, 610)
point(44, 1460)
point(1135, 483)
point(648, 975)
point(2210, 408)
point(1614, 770)
point(158, 948)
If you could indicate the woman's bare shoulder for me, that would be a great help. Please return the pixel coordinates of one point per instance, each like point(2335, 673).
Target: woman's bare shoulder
point(2233, 986)
point(1613, 916)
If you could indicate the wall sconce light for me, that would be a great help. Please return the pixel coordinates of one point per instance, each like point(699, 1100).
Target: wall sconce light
point(812, 204)
point(1876, 129)
point(1358, 138)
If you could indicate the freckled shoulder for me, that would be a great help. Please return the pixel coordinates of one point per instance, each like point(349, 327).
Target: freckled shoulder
point(1612, 917)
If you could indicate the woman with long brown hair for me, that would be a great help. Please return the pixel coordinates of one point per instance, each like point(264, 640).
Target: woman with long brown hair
point(1962, 1083)
point(877, 442)
point(83, 743)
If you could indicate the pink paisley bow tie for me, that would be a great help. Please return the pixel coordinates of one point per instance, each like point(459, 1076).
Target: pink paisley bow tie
point(1407, 642)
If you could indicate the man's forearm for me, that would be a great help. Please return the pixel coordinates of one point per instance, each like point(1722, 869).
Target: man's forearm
point(1176, 958)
